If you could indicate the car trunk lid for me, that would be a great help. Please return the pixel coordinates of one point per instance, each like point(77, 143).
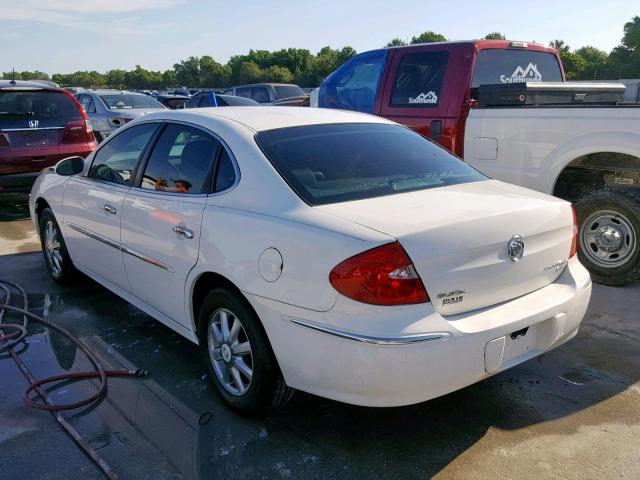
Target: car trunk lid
point(457, 238)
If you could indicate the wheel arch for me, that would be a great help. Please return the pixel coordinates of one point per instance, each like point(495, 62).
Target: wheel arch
point(574, 152)
point(201, 286)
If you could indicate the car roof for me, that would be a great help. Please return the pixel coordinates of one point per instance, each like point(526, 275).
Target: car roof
point(26, 84)
point(261, 118)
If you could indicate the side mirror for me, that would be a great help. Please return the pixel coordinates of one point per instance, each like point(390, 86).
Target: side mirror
point(70, 166)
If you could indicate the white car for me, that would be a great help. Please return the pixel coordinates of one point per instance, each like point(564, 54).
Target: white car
point(332, 252)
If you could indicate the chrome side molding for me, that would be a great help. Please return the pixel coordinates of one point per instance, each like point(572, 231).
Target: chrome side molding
point(408, 340)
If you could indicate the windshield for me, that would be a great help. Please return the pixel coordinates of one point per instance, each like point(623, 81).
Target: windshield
point(495, 66)
point(37, 105)
point(130, 100)
point(342, 162)
point(286, 91)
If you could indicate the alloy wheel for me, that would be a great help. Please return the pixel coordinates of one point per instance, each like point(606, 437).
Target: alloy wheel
point(230, 351)
point(53, 248)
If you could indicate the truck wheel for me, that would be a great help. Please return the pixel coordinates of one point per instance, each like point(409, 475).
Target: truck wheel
point(236, 350)
point(609, 236)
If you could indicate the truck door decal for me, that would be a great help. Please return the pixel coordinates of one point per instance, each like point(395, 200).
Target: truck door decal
point(429, 97)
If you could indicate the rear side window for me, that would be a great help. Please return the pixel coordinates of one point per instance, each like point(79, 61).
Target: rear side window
point(87, 103)
point(354, 85)
point(495, 66)
point(419, 79)
point(47, 107)
point(342, 162)
point(244, 92)
point(181, 161)
point(116, 160)
point(226, 175)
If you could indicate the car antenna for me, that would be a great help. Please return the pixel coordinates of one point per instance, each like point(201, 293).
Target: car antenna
point(13, 80)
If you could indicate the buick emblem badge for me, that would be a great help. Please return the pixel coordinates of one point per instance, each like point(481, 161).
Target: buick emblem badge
point(515, 248)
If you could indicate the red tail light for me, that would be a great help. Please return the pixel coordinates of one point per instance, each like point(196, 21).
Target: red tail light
point(78, 131)
point(382, 276)
point(574, 241)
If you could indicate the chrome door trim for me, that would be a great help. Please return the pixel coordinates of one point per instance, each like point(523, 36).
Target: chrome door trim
point(408, 340)
point(95, 236)
point(142, 256)
point(122, 248)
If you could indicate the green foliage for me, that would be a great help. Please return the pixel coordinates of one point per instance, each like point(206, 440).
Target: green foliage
point(396, 42)
point(428, 37)
point(495, 36)
point(297, 65)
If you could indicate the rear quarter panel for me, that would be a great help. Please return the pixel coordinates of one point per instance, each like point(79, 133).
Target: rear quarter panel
point(534, 145)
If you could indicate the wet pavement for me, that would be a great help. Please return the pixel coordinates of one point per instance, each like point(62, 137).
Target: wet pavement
point(573, 413)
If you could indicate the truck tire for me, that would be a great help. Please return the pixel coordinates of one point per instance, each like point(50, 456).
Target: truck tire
point(609, 236)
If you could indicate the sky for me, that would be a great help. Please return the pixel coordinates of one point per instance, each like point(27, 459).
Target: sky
point(63, 36)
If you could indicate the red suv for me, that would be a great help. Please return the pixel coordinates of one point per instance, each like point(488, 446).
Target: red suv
point(39, 125)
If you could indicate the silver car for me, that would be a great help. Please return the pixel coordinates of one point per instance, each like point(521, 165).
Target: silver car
point(110, 109)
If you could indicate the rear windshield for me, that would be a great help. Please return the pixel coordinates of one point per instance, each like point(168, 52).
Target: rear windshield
point(123, 100)
point(342, 162)
point(45, 105)
point(286, 91)
point(495, 66)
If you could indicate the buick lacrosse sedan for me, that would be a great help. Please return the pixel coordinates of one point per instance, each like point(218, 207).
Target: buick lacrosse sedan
point(332, 252)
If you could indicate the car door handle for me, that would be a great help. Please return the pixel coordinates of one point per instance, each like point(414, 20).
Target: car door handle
point(183, 231)
point(109, 209)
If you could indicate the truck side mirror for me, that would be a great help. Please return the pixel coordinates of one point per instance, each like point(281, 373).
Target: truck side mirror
point(70, 166)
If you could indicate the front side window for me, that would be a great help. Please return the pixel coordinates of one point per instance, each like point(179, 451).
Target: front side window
point(244, 92)
point(288, 91)
point(181, 161)
point(343, 162)
point(354, 85)
point(260, 95)
point(419, 78)
point(116, 160)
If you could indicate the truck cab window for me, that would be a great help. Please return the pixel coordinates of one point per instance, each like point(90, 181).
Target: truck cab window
point(419, 79)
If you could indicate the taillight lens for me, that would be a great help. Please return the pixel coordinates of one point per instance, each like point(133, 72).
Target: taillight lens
point(78, 131)
point(574, 241)
point(382, 276)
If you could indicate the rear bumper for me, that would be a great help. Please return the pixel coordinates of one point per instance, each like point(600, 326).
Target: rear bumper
point(427, 355)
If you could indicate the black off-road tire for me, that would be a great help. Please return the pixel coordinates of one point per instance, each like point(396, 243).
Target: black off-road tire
point(267, 391)
point(67, 273)
point(627, 203)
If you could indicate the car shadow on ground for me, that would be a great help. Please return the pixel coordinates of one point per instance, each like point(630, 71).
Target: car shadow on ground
point(179, 424)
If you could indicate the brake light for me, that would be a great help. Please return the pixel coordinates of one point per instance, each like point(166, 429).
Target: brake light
point(574, 241)
point(76, 131)
point(381, 276)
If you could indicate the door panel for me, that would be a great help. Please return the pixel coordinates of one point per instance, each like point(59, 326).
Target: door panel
point(158, 259)
point(92, 227)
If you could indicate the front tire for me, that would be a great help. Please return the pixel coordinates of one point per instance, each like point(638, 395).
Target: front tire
point(239, 359)
point(609, 236)
point(54, 249)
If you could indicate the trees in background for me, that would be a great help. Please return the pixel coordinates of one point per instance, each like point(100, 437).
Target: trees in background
point(297, 65)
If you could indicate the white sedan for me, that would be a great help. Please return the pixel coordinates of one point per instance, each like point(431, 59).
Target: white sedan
point(327, 251)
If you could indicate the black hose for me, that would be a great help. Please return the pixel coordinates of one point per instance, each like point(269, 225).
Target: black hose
point(11, 334)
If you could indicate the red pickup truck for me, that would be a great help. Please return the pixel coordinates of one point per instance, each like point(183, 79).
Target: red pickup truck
point(505, 108)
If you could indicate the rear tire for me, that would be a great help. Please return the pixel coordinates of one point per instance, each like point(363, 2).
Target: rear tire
point(610, 236)
point(239, 359)
point(54, 249)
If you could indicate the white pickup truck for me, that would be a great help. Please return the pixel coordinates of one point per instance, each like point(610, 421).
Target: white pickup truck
point(505, 108)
